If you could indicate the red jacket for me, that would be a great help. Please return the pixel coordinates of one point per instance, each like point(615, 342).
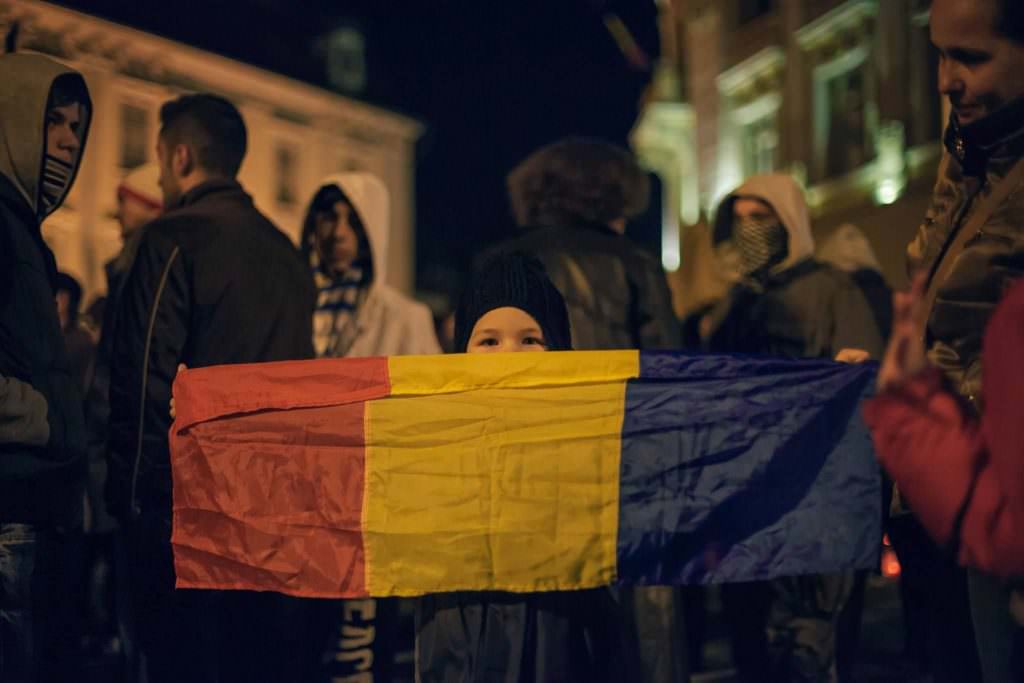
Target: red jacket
point(947, 464)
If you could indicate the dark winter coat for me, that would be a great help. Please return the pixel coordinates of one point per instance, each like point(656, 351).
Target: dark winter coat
point(978, 157)
point(38, 484)
point(617, 295)
point(214, 282)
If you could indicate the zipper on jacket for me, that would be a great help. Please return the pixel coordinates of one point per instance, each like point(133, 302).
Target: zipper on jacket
point(136, 510)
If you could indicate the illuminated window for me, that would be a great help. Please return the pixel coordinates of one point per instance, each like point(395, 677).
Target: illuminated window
point(846, 115)
point(759, 141)
point(135, 140)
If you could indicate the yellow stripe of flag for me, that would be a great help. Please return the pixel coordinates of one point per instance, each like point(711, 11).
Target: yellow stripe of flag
point(455, 497)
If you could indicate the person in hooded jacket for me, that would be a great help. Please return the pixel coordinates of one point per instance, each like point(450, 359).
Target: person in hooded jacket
point(786, 303)
point(345, 242)
point(44, 120)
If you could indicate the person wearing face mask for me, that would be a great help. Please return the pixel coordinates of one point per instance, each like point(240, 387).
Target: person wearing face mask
point(970, 249)
point(785, 303)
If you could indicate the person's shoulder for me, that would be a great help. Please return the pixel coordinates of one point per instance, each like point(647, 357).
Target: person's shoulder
point(395, 300)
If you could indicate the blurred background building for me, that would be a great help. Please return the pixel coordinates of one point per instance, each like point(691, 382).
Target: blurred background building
point(298, 133)
point(840, 93)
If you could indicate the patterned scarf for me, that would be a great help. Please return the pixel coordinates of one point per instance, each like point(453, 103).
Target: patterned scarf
point(56, 175)
point(337, 304)
point(762, 244)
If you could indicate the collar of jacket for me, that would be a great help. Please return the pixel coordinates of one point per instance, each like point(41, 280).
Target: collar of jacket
point(999, 135)
point(783, 277)
point(577, 225)
point(213, 186)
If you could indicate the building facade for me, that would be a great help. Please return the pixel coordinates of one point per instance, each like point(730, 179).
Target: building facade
point(298, 133)
point(840, 93)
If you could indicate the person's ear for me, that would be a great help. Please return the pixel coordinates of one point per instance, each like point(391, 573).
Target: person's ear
point(183, 160)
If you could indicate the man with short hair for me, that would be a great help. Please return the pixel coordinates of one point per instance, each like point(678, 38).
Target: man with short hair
point(44, 116)
point(971, 248)
point(213, 282)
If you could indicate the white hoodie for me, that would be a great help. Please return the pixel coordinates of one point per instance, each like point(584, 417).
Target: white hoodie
point(388, 322)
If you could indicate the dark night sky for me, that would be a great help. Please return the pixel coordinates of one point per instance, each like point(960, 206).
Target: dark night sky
point(491, 81)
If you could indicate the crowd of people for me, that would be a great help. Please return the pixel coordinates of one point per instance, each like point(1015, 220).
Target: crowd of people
point(203, 278)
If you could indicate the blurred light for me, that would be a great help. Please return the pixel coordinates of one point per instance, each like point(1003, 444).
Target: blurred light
point(891, 165)
point(890, 564)
point(670, 243)
point(887, 192)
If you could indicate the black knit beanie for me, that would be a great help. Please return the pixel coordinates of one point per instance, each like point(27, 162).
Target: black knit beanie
point(517, 281)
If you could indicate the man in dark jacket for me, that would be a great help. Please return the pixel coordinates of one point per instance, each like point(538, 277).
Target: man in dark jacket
point(213, 282)
point(785, 304)
point(44, 113)
point(573, 199)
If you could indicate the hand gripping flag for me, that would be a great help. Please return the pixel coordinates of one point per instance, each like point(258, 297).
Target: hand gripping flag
point(520, 472)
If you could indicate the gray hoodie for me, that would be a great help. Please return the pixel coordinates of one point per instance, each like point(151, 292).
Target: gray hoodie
point(27, 81)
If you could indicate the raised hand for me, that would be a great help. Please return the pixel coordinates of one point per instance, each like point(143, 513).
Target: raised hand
point(905, 355)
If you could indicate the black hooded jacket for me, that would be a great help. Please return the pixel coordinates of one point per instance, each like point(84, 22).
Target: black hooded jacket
point(38, 484)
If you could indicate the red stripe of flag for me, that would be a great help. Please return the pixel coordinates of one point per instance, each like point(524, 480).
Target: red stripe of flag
point(272, 499)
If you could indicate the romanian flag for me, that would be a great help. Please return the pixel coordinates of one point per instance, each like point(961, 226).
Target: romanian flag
point(520, 472)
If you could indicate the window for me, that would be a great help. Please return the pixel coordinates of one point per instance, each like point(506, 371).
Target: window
point(286, 169)
point(752, 9)
point(759, 144)
point(849, 144)
point(845, 115)
point(135, 140)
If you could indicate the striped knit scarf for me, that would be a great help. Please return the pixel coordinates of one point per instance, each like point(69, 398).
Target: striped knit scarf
point(337, 305)
point(56, 176)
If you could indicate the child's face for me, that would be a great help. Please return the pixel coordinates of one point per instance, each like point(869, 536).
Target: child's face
point(504, 330)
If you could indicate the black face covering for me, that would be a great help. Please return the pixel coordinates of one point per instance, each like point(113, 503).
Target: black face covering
point(56, 176)
point(762, 243)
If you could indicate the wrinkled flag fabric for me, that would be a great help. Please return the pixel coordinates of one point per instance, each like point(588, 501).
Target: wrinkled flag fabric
point(520, 472)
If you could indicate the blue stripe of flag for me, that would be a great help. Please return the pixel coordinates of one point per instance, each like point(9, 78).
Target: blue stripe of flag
point(741, 468)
